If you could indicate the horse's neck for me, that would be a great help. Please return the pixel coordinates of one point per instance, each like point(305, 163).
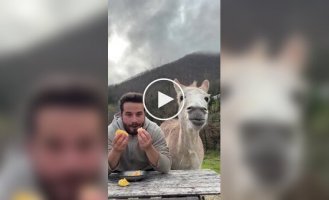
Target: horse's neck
point(188, 137)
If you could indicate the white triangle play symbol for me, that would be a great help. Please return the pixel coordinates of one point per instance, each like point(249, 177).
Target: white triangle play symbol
point(163, 99)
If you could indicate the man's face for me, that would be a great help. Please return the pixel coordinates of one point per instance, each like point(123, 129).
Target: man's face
point(67, 149)
point(133, 117)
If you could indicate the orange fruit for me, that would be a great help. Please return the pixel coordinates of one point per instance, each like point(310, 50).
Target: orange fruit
point(121, 132)
point(26, 195)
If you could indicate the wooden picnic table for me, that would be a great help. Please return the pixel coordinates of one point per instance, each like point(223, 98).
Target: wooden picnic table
point(177, 183)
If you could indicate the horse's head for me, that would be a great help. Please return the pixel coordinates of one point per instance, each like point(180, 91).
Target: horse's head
point(261, 119)
point(195, 108)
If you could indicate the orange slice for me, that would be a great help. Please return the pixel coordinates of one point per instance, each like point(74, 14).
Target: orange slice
point(123, 182)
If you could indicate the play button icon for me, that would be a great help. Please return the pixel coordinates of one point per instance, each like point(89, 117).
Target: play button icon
point(159, 99)
point(163, 99)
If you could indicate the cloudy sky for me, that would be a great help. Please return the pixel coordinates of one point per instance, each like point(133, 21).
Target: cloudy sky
point(146, 33)
point(28, 23)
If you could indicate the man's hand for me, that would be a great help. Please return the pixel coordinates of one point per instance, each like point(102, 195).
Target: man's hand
point(120, 143)
point(144, 140)
point(146, 144)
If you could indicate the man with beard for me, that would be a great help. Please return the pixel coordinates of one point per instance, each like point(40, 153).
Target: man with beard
point(143, 150)
point(65, 146)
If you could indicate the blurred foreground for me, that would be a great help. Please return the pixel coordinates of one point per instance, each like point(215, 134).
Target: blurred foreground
point(41, 40)
point(274, 100)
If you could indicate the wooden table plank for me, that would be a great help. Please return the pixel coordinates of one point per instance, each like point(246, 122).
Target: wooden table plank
point(175, 183)
point(172, 198)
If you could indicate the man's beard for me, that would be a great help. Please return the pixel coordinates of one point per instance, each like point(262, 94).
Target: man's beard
point(132, 129)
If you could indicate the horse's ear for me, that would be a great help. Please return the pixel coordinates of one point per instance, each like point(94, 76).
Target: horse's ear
point(205, 85)
point(176, 87)
point(294, 52)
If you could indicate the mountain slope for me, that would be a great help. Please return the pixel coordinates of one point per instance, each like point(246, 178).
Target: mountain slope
point(196, 66)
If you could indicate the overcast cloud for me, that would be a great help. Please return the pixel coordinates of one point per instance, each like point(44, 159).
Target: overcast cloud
point(148, 33)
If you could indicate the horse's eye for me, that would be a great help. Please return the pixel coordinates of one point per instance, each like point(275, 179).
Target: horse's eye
point(206, 99)
point(181, 98)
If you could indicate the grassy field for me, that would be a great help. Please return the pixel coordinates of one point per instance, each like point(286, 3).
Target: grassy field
point(211, 161)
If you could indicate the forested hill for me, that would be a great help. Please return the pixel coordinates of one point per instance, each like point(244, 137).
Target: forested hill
point(196, 66)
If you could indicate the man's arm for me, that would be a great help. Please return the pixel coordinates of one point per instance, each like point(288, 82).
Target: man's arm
point(146, 144)
point(156, 150)
point(113, 159)
point(153, 155)
point(116, 148)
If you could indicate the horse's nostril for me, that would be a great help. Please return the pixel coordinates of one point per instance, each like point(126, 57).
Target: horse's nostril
point(189, 108)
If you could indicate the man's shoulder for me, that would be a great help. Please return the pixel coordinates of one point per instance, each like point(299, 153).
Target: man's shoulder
point(111, 129)
point(113, 126)
point(16, 174)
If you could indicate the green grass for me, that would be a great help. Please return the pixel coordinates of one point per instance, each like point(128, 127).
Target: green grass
point(211, 161)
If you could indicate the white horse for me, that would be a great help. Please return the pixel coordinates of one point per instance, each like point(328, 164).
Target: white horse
point(182, 135)
point(261, 121)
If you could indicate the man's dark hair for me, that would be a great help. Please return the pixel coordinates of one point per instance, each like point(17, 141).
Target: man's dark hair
point(132, 97)
point(65, 93)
